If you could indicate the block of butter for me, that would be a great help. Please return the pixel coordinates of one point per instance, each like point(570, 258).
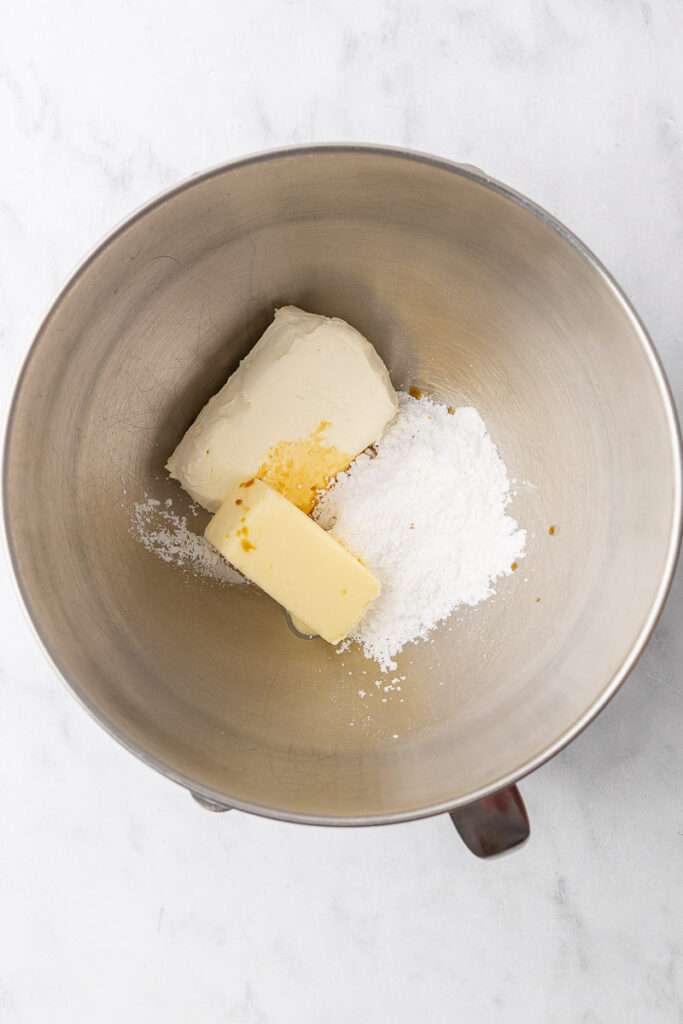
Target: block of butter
point(293, 559)
point(309, 397)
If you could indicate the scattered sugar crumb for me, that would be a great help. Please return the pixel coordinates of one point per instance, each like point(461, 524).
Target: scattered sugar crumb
point(168, 536)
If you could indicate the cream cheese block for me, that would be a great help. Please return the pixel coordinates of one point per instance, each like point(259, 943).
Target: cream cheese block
point(309, 397)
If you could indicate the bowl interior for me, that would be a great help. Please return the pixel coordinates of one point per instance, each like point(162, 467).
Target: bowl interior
point(467, 293)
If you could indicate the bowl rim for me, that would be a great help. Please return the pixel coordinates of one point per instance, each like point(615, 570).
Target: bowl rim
point(640, 641)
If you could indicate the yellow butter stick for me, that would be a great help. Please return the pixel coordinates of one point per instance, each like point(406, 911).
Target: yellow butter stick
point(293, 559)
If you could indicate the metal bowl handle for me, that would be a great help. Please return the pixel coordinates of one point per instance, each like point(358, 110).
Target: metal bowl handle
point(493, 825)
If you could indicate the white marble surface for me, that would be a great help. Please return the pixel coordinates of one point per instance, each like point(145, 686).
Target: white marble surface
point(120, 900)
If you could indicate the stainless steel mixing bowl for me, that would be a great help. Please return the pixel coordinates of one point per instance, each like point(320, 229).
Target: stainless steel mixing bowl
point(468, 291)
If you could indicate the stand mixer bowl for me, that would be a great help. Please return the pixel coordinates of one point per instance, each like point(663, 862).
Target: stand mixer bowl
point(469, 292)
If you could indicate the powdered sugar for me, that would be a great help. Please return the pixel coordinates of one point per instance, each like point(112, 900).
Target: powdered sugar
point(169, 537)
point(426, 514)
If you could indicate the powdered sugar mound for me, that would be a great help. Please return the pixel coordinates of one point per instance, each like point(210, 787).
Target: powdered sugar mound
point(426, 514)
point(168, 536)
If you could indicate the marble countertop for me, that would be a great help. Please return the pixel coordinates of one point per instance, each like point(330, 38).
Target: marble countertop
point(120, 899)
